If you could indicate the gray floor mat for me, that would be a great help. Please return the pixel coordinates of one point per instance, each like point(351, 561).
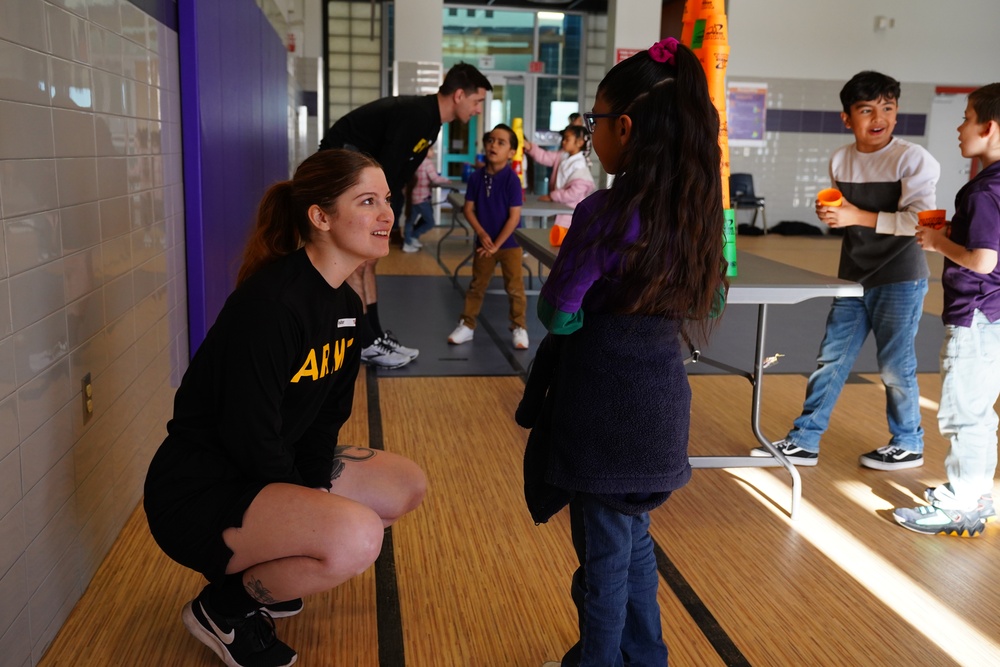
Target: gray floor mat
point(422, 311)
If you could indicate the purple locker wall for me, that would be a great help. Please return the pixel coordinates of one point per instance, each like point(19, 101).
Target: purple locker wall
point(234, 101)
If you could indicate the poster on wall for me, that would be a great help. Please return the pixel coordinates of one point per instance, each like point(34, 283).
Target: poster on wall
point(747, 111)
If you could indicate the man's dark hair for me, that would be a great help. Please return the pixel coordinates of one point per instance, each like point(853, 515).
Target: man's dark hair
point(985, 102)
point(464, 76)
point(868, 86)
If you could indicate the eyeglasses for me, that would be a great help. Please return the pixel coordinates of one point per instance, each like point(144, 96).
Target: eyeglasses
point(589, 118)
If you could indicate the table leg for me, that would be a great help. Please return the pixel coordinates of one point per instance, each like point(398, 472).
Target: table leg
point(756, 379)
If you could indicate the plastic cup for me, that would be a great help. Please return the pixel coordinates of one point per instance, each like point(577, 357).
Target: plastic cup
point(729, 242)
point(934, 218)
point(709, 7)
point(691, 8)
point(714, 58)
point(556, 235)
point(687, 32)
point(830, 197)
point(716, 30)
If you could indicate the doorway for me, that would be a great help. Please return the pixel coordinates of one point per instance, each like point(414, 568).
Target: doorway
point(947, 110)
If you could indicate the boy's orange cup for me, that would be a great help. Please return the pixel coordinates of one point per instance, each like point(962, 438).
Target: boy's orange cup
point(556, 235)
point(935, 218)
point(830, 197)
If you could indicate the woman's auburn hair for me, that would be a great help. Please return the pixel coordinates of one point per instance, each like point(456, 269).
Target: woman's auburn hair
point(282, 222)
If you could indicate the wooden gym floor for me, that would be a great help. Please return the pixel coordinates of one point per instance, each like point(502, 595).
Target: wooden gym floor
point(468, 581)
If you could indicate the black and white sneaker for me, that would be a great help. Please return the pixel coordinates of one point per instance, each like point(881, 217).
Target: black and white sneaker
point(382, 355)
point(795, 454)
point(389, 339)
point(283, 609)
point(247, 641)
point(891, 458)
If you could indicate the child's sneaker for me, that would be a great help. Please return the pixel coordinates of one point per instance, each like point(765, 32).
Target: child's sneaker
point(393, 344)
point(247, 641)
point(520, 336)
point(283, 609)
point(415, 242)
point(931, 520)
point(891, 458)
point(411, 247)
point(944, 494)
point(795, 454)
point(461, 334)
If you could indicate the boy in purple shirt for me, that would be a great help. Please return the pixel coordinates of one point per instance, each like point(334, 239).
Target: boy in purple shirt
point(970, 357)
point(493, 203)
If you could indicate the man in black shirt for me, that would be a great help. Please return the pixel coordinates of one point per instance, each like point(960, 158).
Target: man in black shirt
point(397, 131)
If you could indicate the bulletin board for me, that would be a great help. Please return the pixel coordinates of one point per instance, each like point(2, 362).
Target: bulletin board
point(747, 109)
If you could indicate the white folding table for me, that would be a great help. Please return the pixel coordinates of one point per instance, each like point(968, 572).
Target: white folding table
point(761, 282)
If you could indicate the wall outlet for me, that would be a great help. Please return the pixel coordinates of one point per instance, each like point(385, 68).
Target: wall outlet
point(88, 397)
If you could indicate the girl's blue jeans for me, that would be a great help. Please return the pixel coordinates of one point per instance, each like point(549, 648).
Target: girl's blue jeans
point(892, 312)
point(614, 589)
point(423, 212)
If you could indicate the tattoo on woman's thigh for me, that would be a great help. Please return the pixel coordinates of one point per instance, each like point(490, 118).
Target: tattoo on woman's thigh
point(344, 453)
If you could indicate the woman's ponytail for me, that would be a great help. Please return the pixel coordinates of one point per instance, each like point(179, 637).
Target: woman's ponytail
point(277, 231)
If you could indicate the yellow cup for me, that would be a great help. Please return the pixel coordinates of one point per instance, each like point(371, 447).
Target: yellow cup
point(830, 197)
point(556, 235)
point(934, 218)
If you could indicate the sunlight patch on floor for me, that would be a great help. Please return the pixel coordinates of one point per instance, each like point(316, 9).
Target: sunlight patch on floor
point(881, 577)
point(928, 404)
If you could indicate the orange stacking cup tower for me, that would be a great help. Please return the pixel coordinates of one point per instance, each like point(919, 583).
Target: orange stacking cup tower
point(709, 39)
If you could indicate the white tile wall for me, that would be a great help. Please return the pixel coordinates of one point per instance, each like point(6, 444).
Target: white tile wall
point(91, 281)
point(794, 166)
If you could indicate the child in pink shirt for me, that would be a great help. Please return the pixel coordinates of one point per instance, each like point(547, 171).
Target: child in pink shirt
point(420, 200)
point(571, 181)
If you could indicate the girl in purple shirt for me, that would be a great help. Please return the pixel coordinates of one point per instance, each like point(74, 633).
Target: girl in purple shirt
point(608, 399)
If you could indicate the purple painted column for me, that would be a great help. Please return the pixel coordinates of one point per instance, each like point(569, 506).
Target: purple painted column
point(234, 88)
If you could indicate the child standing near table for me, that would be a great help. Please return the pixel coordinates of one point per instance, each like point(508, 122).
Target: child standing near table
point(571, 180)
point(970, 357)
point(608, 399)
point(493, 203)
point(420, 201)
point(885, 182)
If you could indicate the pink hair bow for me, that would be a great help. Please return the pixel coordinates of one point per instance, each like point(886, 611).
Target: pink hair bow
point(664, 50)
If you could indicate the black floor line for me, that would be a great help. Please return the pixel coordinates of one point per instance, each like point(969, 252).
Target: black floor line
point(702, 617)
point(389, 617)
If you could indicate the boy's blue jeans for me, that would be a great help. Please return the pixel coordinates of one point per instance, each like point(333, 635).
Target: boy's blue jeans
point(412, 230)
point(892, 312)
point(970, 383)
point(614, 589)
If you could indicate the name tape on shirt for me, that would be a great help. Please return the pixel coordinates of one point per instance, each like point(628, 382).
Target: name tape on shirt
point(346, 322)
